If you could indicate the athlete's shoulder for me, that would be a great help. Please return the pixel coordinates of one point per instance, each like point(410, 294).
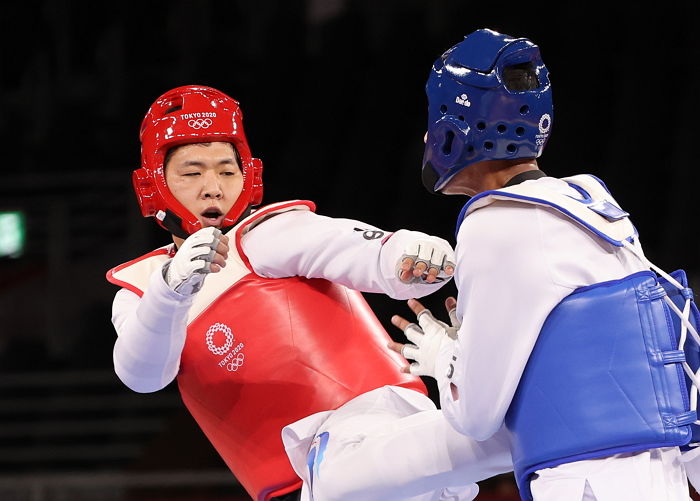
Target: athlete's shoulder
point(501, 223)
point(279, 207)
point(167, 251)
point(583, 198)
point(267, 211)
point(133, 274)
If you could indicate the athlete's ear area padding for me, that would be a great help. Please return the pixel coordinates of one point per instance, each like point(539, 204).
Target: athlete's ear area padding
point(257, 168)
point(145, 191)
point(451, 138)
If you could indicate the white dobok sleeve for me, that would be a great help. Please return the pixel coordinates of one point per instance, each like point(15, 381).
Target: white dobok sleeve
point(151, 334)
point(515, 263)
point(348, 252)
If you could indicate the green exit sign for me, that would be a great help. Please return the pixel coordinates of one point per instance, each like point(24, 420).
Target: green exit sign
point(12, 234)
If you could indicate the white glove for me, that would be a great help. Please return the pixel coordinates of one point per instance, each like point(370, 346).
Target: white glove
point(433, 252)
point(185, 272)
point(428, 340)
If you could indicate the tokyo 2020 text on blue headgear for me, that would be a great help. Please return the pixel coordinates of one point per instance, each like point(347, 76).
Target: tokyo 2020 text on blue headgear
point(489, 98)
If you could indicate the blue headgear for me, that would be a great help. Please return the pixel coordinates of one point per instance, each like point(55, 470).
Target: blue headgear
point(476, 111)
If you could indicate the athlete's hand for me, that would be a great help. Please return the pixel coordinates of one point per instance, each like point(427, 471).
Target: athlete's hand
point(428, 338)
point(429, 259)
point(203, 252)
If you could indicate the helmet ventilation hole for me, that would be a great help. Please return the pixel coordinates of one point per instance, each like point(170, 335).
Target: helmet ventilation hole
point(524, 109)
point(447, 145)
point(443, 108)
point(501, 128)
point(174, 104)
point(481, 125)
point(461, 118)
point(172, 109)
point(511, 148)
point(488, 145)
point(520, 131)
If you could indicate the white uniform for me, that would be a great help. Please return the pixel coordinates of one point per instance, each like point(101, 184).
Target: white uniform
point(390, 443)
point(295, 243)
point(515, 263)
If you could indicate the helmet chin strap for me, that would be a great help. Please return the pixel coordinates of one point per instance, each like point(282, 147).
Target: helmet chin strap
point(429, 177)
point(173, 224)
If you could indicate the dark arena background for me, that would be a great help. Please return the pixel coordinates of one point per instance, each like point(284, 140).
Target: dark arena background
point(334, 104)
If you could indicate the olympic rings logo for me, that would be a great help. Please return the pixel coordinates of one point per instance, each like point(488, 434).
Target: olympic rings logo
point(218, 327)
point(200, 123)
point(236, 362)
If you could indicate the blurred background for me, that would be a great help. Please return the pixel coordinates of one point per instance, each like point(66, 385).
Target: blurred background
point(333, 97)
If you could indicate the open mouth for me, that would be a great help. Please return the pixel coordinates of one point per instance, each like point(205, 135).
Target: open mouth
point(212, 217)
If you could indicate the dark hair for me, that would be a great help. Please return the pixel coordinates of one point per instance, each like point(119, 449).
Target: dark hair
point(520, 77)
point(172, 151)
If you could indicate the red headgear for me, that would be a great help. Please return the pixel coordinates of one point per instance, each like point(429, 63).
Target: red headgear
point(191, 114)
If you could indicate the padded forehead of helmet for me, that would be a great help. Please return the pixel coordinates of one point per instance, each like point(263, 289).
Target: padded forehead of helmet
point(479, 59)
point(189, 99)
point(479, 50)
point(192, 95)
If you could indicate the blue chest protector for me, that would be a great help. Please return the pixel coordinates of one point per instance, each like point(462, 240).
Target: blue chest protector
point(606, 374)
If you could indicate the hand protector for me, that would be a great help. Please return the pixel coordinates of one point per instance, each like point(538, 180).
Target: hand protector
point(185, 273)
point(434, 252)
point(428, 340)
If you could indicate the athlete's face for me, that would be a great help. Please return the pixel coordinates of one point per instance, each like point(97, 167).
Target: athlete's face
point(206, 179)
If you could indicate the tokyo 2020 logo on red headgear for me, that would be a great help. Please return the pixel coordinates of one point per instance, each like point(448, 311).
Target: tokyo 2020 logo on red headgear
point(191, 114)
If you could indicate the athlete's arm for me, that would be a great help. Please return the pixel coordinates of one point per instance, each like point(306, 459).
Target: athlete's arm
point(506, 292)
point(152, 329)
point(151, 334)
point(349, 252)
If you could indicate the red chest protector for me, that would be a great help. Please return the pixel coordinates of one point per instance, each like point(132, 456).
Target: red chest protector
point(262, 353)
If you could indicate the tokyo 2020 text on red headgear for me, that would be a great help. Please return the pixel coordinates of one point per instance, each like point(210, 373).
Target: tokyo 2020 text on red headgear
point(184, 115)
